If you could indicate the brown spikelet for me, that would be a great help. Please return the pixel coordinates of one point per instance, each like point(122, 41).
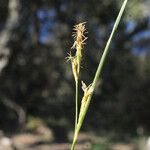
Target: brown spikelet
point(79, 37)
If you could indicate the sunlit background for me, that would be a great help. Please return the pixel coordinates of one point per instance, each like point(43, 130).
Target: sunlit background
point(37, 105)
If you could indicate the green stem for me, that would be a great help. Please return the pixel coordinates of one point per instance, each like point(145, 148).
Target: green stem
point(76, 101)
point(75, 138)
point(99, 69)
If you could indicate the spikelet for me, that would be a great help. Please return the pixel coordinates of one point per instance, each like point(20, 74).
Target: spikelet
point(74, 65)
point(79, 37)
point(79, 41)
point(87, 92)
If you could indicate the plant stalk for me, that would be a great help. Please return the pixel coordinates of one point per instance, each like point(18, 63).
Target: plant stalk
point(98, 72)
point(76, 104)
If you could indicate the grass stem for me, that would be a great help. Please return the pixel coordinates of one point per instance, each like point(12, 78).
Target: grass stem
point(76, 105)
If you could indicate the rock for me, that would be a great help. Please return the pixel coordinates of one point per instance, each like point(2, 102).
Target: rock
point(5, 144)
point(148, 144)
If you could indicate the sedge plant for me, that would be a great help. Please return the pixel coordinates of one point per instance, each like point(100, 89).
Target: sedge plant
point(79, 37)
point(79, 41)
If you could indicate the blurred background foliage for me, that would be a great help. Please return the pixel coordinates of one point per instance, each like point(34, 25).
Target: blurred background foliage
point(36, 81)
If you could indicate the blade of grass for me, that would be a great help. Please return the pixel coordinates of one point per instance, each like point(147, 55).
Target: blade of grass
point(99, 69)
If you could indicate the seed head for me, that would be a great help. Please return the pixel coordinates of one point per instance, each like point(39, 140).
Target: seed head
point(79, 37)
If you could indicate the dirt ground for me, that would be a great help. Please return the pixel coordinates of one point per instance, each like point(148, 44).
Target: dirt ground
point(29, 141)
point(43, 140)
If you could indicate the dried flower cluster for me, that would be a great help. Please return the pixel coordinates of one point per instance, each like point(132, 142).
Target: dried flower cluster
point(79, 37)
point(79, 41)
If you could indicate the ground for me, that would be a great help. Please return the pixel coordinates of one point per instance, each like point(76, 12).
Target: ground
point(43, 139)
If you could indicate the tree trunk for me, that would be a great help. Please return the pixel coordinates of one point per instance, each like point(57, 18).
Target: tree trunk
point(6, 33)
